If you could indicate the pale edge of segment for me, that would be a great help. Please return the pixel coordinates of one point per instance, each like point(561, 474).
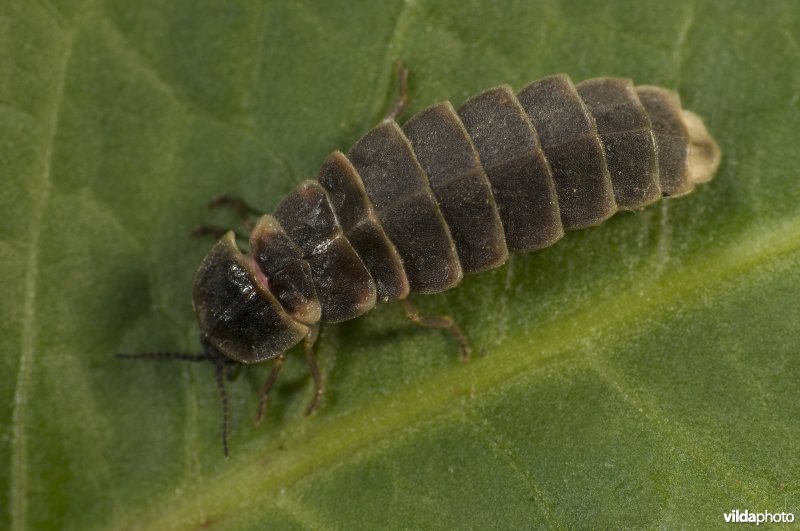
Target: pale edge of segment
point(704, 153)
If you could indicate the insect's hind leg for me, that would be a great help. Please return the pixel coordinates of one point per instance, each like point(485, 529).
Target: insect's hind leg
point(402, 91)
point(241, 208)
point(445, 322)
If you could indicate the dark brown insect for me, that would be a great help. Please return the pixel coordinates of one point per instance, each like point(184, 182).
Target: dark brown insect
point(413, 209)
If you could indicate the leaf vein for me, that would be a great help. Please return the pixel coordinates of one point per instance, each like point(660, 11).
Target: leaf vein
point(19, 443)
point(504, 448)
point(258, 57)
point(680, 44)
point(138, 61)
point(705, 455)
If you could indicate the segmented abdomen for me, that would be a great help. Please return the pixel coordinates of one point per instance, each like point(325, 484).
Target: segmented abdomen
point(413, 209)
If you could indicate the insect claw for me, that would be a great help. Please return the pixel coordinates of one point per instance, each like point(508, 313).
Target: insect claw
point(314, 403)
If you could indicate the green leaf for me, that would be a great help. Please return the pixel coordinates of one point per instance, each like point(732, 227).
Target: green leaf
point(638, 374)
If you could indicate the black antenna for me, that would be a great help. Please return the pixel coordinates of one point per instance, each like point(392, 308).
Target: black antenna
point(180, 356)
point(209, 355)
point(223, 396)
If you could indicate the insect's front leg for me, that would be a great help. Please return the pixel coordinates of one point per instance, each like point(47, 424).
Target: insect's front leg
point(243, 210)
point(263, 396)
point(277, 364)
point(246, 214)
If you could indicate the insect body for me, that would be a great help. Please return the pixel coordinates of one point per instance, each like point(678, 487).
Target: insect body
point(415, 208)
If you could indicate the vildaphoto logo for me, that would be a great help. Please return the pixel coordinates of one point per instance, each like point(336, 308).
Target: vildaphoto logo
point(764, 517)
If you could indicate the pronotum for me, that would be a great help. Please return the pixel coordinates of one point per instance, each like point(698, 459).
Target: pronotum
point(413, 209)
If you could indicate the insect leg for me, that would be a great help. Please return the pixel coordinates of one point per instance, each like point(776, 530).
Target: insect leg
point(277, 363)
point(214, 231)
point(308, 345)
point(243, 211)
point(402, 91)
point(444, 322)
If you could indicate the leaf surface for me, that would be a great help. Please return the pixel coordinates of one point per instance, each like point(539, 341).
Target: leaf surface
point(640, 374)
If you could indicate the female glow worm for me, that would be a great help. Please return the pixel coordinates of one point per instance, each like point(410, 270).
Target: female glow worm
point(415, 208)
